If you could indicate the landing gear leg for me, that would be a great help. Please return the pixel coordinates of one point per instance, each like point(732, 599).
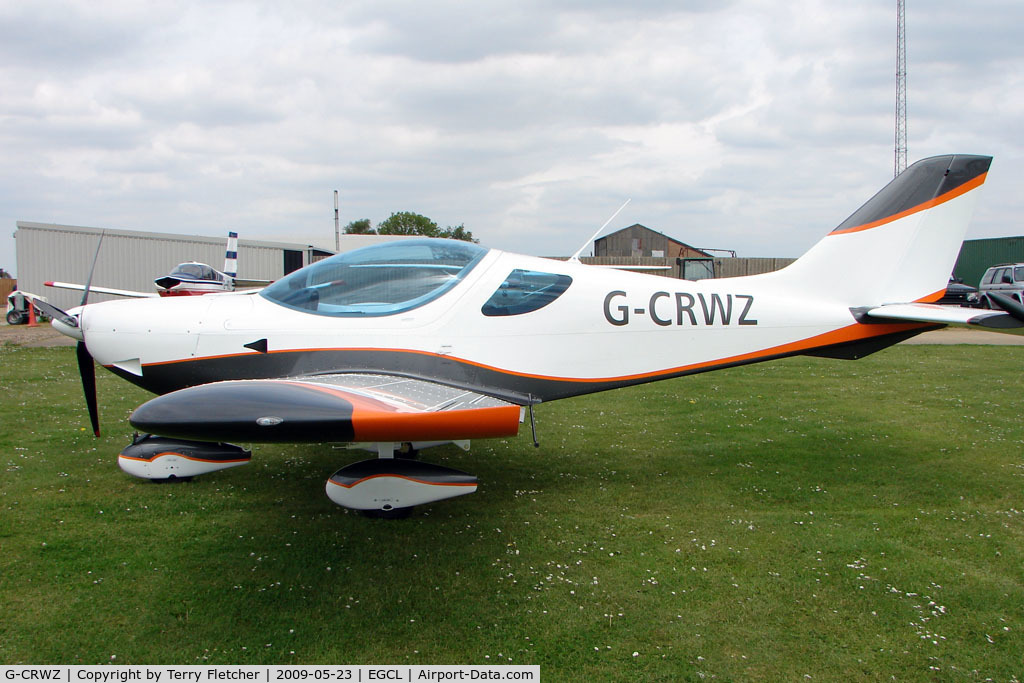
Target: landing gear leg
point(390, 451)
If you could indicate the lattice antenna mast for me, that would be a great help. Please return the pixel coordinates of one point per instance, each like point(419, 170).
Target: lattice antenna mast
point(901, 90)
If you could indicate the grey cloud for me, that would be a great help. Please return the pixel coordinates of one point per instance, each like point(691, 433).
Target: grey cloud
point(750, 125)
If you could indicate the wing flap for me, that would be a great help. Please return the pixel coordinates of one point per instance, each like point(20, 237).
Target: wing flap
point(995, 321)
point(339, 408)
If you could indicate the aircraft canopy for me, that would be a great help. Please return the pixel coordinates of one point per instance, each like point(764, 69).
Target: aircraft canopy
point(382, 279)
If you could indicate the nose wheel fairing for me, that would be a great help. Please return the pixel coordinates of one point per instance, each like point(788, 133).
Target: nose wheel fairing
point(160, 458)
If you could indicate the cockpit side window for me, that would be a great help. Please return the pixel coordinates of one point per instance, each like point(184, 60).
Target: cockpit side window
point(524, 291)
point(382, 279)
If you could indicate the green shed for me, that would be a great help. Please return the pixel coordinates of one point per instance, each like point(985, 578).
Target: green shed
point(977, 255)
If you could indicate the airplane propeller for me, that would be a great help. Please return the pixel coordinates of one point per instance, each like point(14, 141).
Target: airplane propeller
point(55, 313)
point(87, 370)
point(86, 366)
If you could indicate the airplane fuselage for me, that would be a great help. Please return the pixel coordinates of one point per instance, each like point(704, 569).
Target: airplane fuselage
point(608, 329)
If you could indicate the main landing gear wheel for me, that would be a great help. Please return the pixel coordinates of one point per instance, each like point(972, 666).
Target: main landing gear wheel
point(15, 317)
point(172, 479)
point(392, 513)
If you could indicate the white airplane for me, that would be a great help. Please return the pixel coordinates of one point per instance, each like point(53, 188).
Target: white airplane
point(403, 345)
point(186, 279)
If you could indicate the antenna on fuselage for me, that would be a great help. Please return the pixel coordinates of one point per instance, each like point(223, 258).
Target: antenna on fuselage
point(337, 231)
point(576, 257)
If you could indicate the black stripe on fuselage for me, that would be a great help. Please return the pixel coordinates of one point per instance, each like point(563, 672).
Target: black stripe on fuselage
point(514, 388)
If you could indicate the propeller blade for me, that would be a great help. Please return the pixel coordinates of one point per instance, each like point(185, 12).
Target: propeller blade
point(1008, 305)
point(55, 313)
point(92, 269)
point(87, 369)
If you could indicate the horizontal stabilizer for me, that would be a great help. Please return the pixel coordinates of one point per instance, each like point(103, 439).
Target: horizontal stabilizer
point(995, 321)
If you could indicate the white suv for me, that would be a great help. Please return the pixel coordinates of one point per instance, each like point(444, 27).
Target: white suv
point(1006, 279)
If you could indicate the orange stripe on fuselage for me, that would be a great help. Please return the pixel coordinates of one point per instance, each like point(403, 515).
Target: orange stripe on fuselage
point(941, 199)
point(931, 298)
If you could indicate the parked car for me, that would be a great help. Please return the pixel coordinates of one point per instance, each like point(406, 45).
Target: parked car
point(1006, 279)
point(959, 294)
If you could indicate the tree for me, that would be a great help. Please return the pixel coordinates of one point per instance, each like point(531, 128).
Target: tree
point(459, 232)
point(408, 223)
point(360, 227)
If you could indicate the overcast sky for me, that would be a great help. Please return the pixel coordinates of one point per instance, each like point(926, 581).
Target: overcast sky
point(751, 125)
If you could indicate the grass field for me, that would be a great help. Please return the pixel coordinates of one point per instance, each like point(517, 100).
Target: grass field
point(800, 520)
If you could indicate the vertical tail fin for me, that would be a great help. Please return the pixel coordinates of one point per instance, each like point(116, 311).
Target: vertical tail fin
point(231, 255)
point(900, 246)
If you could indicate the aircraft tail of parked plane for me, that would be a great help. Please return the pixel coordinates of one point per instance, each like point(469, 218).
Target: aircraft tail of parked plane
point(185, 279)
point(900, 246)
point(231, 256)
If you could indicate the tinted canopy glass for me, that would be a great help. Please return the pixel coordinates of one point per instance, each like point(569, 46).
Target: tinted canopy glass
point(382, 279)
point(524, 291)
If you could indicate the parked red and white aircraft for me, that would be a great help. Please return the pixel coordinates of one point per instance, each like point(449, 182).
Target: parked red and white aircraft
point(417, 342)
point(186, 279)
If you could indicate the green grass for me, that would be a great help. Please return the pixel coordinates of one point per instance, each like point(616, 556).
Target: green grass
point(839, 520)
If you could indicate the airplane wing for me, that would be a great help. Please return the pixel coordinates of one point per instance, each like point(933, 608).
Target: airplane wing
point(337, 407)
point(991, 320)
point(102, 290)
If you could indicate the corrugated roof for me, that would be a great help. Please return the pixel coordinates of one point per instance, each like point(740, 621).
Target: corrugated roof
point(177, 237)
